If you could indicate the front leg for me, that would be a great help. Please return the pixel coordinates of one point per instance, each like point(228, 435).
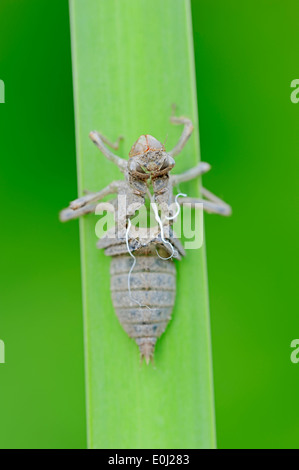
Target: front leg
point(187, 131)
point(99, 140)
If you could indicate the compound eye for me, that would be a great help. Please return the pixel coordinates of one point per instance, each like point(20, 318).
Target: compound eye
point(153, 143)
point(139, 147)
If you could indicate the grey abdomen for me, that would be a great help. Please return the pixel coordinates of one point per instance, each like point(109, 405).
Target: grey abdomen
point(153, 285)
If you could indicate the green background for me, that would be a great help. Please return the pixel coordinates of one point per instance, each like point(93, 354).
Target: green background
point(246, 58)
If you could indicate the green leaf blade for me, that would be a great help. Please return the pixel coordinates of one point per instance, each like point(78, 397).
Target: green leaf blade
point(132, 60)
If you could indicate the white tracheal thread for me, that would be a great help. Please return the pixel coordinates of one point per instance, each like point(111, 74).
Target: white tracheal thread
point(132, 267)
point(174, 252)
point(158, 219)
point(178, 206)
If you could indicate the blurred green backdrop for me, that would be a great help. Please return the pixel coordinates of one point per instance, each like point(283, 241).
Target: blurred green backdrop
point(246, 58)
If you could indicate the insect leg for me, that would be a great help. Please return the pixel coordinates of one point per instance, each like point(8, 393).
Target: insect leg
point(100, 141)
point(92, 197)
point(113, 145)
point(198, 170)
point(211, 204)
point(70, 214)
point(187, 131)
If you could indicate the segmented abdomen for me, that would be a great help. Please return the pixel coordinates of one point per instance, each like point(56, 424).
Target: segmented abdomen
point(153, 285)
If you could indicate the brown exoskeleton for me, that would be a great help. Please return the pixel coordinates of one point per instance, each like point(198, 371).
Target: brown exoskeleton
point(147, 175)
